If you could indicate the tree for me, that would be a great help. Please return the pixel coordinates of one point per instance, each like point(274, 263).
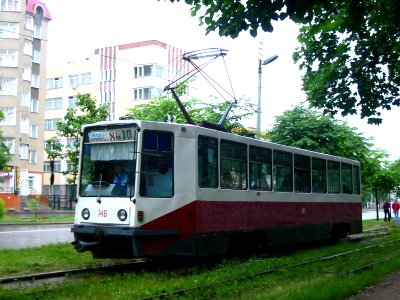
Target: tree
point(309, 129)
point(85, 112)
point(350, 54)
point(5, 155)
point(349, 48)
point(159, 108)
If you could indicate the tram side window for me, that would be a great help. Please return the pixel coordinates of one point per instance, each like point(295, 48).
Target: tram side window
point(302, 173)
point(318, 175)
point(356, 176)
point(283, 178)
point(156, 174)
point(333, 177)
point(233, 162)
point(207, 152)
point(260, 168)
point(347, 179)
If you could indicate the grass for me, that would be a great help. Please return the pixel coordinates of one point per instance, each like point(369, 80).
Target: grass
point(321, 281)
point(39, 219)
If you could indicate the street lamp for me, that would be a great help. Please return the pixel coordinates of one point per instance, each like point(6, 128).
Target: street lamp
point(262, 63)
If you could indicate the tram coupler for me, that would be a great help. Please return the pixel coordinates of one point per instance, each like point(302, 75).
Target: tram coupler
point(85, 246)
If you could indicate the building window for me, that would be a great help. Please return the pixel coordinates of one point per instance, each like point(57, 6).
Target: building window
point(10, 5)
point(8, 58)
point(51, 124)
point(27, 72)
point(35, 105)
point(49, 146)
point(10, 143)
point(24, 124)
point(86, 78)
point(32, 156)
point(25, 98)
point(35, 80)
point(8, 86)
point(73, 80)
point(36, 56)
point(147, 70)
point(29, 23)
point(53, 103)
point(71, 101)
point(9, 116)
point(9, 30)
point(47, 168)
point(37, 32)
point(146, 93)
point(23, 151)
point(33, 131)
point(54, 83)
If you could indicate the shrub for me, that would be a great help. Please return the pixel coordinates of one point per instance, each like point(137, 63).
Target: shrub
point(2, 208)
point(33, 205)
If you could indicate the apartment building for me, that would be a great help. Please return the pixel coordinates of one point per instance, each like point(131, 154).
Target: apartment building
point(121, 76)
point(23, 40)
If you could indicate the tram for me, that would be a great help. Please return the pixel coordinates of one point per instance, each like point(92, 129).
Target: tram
point(192, 191)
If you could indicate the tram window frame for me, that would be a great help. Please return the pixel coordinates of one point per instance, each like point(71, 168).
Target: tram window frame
point(318, 177)
point(333, 177)
point(260, 168)
point(207, 162)
point(157, 164)
point(356, 180)
point(347, 178)
point(283, 171)
point(302, 173)
point(233, 165)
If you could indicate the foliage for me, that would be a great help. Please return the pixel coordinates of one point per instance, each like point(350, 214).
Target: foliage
point(395, 169)
point(5, 156)
point(34, 204)
point(349, 49)
point(309, 129)
point(2, 209)
point(231, 17)
point(85, 112)
point(158, 109)
point(350, 53)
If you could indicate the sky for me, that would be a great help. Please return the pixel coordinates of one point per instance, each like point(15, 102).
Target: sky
point(80, 26)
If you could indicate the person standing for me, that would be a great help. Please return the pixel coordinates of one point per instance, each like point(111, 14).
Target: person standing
point(395, 208)
point(386, 210)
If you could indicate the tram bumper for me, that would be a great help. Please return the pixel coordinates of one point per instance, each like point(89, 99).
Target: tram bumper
point(107, 241)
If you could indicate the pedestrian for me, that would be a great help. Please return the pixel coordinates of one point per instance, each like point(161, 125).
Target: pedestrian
point(386, 210)
point(395, 207)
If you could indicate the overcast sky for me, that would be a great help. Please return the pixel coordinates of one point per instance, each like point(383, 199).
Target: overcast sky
point(80, 26)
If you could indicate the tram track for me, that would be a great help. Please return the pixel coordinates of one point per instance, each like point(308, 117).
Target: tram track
point(352, 270)
point(363, 254)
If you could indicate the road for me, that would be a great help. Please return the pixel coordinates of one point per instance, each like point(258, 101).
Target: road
point(26, 236)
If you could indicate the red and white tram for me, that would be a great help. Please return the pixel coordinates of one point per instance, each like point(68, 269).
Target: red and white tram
point(193, 191)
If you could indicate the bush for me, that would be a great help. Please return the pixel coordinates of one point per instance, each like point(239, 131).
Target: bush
point(2, 208)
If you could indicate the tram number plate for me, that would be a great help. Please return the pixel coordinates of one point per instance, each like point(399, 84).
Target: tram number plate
point(102, 213)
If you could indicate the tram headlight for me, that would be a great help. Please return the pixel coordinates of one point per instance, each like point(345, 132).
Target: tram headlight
point(122, 214)
point(85, 213)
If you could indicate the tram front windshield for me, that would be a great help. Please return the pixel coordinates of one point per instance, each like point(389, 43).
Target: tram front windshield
point(108, 161)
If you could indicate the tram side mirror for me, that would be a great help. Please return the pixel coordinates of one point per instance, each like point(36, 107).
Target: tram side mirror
point(163, 168)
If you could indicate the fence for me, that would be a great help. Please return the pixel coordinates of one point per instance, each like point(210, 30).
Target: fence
point(61, 196)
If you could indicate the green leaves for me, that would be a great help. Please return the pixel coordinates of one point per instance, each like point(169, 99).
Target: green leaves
point(85, 112)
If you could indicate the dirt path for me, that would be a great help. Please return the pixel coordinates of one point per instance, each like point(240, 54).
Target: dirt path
point(388, 289)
